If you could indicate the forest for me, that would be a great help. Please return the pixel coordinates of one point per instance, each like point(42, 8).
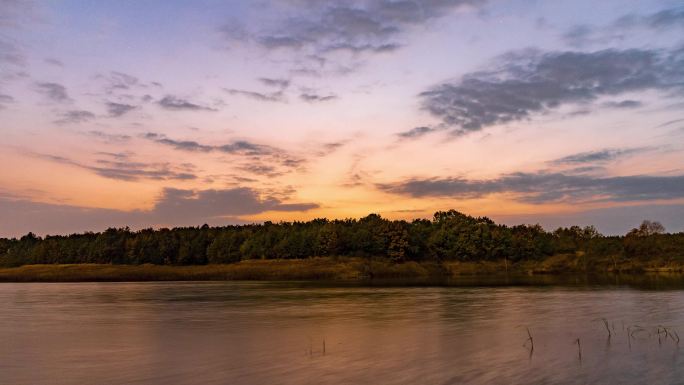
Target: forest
point(449, 236)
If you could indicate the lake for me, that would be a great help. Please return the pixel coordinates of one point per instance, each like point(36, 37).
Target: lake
point(314, 333)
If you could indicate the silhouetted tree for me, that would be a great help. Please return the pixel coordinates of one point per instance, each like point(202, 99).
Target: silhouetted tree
point(450, 235)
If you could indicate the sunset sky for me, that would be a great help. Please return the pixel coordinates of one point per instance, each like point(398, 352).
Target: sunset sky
point(174, 113)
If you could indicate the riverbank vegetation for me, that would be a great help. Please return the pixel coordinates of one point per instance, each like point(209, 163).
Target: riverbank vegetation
point(553, 270)
point(450, 242)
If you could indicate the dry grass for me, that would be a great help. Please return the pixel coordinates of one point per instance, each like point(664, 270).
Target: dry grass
point(326, 269)
point(309, 269)
point(455, 268)
point(282, 269)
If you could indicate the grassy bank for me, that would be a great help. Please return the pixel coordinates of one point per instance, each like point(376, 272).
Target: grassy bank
point(328, 269)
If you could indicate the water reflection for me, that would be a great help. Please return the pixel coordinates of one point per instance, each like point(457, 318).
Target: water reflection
point(306, 333)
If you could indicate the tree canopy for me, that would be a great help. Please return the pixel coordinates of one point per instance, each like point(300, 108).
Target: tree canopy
point(450, 235)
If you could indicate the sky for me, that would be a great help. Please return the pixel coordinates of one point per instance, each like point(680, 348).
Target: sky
point(179, 113)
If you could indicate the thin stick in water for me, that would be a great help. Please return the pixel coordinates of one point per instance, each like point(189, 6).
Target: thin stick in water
point(579, 350)
point(605, 323)
point(530, 339)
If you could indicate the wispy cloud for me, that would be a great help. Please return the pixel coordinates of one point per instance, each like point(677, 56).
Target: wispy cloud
point(174, 103)
point(75, 116)
point(278, 83)
point(542, 187)
point(261, 169)
point(174, 207)
point(534, 82)
point(126, 170)
point(119, 109)
point(11, 54)
point(54, 62)
point(238, 147)
point(417, 132)
point(5, 99)
point(584, 35)
point(599, 156)
point(260, 96)
point(623, 104)
point(15, 12)
point(666, 18)
point(53, 91)
point(121, 81)
point(322, 29)
point(315, 98)
point(616, 220)
point(220, 203)
point(108, 137)
point(14, 16)
point(670, 122)
point(255, 158)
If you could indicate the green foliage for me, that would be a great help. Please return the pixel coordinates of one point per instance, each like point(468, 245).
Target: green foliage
point(449, 236)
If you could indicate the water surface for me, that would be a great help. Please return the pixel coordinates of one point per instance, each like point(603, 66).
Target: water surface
point(304, 333)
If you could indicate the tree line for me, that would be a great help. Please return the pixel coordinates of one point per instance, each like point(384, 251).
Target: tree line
point(450, 235)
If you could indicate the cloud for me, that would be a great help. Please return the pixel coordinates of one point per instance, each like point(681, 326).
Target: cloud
point(11, 54)
point(542, 187)
point(619, 29)
point(363, 26)
point(533, 82)
point(175, 103)
point(126, 170)
point(119, 109)
point(278, 83)
point(610, 221)
point(174, 207)
point(626, 104)
point(261, 169)
point(53, 91)
point(246, 148)
point(45, 218)
point(416, 132)
point(5, 99)
point(108, 138)
point(15, 15)
point(185, 145)
point(115, 155)
point(323, 29)
point(133, 171)
point(315, 98)
point(176, 203)
point(328, 148)
point(604, 155)
point(119, 81)
point(240, 147)
point(667, 18)
point(123, 85)
point(54, 62)
point(258, 159)
point(75, 116)
point(585, 35)
point(262, 97)
point(15, 12)
point(670, 122)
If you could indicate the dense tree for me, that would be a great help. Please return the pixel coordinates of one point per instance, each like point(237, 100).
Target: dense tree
point(450, 235)
point(645, 241)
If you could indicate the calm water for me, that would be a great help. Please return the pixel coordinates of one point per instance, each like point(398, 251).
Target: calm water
point(274, 333)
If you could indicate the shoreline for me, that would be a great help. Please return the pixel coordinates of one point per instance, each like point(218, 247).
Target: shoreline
point(336, 269)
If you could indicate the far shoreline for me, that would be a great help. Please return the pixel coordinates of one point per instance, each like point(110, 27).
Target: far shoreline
point(347, 269)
